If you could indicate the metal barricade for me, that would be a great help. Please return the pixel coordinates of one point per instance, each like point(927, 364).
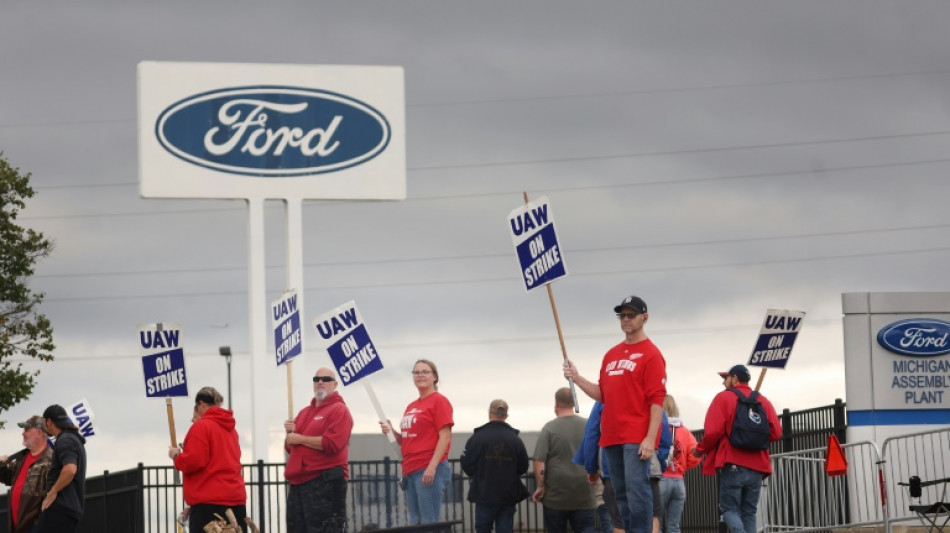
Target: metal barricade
point(799, 496)
point(926, 455)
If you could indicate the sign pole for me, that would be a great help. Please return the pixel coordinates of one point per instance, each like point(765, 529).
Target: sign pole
point(560, 335)
point(290, 390)
point(758, 384)
point(171, 421)
point(381, 415)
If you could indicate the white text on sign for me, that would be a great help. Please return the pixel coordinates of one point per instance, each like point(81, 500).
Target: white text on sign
point(173, 377)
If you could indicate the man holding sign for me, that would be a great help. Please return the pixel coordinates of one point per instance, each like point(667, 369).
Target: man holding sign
point(317, 468)
point(632, 387)
point(66, 481)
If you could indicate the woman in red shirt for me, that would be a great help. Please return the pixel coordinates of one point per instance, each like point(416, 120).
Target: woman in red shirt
point(425, 434)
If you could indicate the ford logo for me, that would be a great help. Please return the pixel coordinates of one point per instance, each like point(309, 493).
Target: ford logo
point(917, 337)
point(273, 131)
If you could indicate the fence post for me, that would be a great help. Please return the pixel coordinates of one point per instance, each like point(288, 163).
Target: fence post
point(260, 493)
point(139, 504)
point(839, 421)
point(105, 500)
point(387, 487)
point(786, 418)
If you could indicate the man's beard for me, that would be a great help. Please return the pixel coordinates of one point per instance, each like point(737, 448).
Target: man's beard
point(320, 395)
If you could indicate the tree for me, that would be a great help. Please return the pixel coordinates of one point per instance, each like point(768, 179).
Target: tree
point(23, 330)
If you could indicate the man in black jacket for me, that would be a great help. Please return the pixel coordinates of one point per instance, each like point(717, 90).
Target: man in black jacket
point(495, 459)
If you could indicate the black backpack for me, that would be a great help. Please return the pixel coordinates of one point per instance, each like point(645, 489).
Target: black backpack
point(750, 429)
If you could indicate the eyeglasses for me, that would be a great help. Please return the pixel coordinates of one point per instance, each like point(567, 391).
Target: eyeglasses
point(421, 372)
point(325, 379)
point(628, 316)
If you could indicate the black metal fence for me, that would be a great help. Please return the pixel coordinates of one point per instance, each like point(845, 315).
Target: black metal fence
point(147, 499)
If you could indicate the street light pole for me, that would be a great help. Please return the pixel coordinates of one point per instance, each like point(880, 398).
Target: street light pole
point(226, 352)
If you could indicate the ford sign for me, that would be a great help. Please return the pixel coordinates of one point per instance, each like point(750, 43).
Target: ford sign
point(272, 131)
point(917, 337)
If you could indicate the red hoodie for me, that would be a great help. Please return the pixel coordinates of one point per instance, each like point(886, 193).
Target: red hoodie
point(210, 461)
point(331, 420)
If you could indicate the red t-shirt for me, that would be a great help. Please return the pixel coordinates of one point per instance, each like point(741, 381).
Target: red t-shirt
point(420, 430)
point(28, 461)
point(632, 378)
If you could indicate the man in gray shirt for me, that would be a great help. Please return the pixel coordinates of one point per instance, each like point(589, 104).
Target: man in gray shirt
point(63, 505)
point(562, 485)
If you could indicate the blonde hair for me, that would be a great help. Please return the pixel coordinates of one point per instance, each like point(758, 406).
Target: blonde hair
point(669, 405)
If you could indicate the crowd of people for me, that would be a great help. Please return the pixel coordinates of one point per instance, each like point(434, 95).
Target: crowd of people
point(621, 468)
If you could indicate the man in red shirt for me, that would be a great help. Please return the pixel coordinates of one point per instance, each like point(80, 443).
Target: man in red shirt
point(741, 471)
point(25, 471)
point(632, 387)
point(318, 443)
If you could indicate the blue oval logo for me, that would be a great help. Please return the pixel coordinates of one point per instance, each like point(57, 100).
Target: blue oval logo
point(273, 131)
point(917, 336)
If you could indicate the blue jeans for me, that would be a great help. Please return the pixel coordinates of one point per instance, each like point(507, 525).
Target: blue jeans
point(630, 477)
point(581, 520)
point(425, 501)
point(673, 496)
point(501, 516)
point(603, 519)
point(739, 489)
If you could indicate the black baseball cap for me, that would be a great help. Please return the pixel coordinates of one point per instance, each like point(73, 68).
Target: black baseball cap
point(633, 302)
point(58, 415)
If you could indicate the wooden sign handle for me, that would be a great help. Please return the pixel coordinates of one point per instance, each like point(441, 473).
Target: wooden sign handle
point(171, 422)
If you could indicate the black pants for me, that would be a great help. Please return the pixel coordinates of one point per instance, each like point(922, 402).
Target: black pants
point(317, 506)
point(55, 521)
point(203, 513)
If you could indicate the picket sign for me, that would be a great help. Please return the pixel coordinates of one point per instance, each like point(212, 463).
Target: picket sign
point(541, 262)
point(288, 338)
point(773, 346)
point(163, 364)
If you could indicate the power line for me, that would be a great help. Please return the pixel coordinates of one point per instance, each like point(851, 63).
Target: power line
point(508, 279)
point(737, 240)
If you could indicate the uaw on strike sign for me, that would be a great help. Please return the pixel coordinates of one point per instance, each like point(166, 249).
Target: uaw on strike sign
point(287, 333)
point(344, 336)
point(163, 360)
point(774, 344)
point(532, 232)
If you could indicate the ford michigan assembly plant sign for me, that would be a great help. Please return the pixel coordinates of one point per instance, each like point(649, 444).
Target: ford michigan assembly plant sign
point(219, 130)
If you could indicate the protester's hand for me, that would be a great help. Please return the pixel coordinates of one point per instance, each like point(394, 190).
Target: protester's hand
point(428, 476)
point(696, 453)
point(289, 426)
point(385, 426)
point(647, 449)
point(592, 479)
point(48, 500)
point(3, 458)
point(538, 494)
point(173, 451)
point(570, 371)
point(294, 439)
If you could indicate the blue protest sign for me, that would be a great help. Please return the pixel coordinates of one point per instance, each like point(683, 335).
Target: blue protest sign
point(163, 360)
point(287, 334)
point(536, 244)
point(774, 344)
point(344, 337)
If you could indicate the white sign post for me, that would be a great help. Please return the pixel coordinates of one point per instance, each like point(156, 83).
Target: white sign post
point(776, 338)
point(539, 256)
point(267, 131)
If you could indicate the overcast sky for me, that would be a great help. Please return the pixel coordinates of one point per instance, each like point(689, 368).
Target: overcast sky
point(715, 158)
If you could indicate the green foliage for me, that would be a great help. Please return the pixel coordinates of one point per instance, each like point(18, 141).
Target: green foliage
point(23, 331)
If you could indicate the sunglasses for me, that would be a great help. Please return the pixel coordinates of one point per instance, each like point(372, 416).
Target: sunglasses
point(629, 316)
point(325, 379)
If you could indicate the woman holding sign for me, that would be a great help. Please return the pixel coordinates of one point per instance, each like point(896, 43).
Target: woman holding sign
point(425, 435)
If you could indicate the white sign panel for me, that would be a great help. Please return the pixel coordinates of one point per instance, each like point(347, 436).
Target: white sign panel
point(230, 130)
point(287, 333)
point(80, 413)
point(535, 241)
point(779, 331)
point(344, 336)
